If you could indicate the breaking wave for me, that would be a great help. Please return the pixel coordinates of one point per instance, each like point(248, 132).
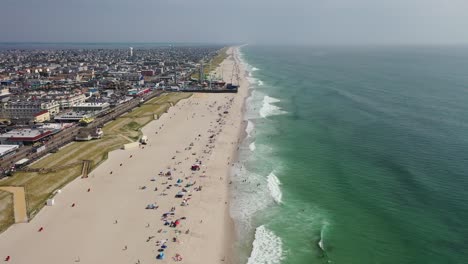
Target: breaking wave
point(255, 69)
point(273, 187)
point(247, 197)
point(260, 82)
point(268, 109)
point(322, 235)
point(252, 146)
point(267, 247)
point(249, 128)
point(251, 79)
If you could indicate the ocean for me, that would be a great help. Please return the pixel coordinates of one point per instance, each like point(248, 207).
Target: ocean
point(354, 155)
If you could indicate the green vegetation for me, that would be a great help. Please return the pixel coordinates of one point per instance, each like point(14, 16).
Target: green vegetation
point(215, 62)
point(40, 186)
point(7, 217)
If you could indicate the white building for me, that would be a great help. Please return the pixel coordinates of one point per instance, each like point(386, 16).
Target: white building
point(72, 100)
point(91, 107)
point(26, 110)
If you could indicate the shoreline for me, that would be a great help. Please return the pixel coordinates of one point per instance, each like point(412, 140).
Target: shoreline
point(232, 239)
point(115, 193)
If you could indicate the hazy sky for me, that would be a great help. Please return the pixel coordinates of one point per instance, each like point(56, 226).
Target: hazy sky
point(247, 21)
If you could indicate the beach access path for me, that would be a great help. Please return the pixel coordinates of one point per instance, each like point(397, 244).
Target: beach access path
point(102, 218)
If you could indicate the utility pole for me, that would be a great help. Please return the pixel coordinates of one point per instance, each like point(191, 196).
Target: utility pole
point(210, 74)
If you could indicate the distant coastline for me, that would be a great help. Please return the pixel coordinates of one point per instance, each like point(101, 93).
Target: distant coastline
point(98, 45)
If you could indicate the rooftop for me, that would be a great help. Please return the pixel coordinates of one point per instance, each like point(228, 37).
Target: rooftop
point(5, 149)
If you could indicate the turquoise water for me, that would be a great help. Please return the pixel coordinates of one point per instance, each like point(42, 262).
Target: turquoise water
point(354, 155)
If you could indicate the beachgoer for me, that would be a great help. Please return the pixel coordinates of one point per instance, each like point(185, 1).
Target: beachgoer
point(89, 189)
point(7, 258)
point(40, 229)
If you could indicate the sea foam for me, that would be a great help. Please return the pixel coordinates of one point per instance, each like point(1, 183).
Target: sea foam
point(274, 187)
point(322, 235)
point(248, 198)
point(267, 247)
point(251, 79)
point(260, 83)
point(252, 146)
point(268, 109)
point(249, 129)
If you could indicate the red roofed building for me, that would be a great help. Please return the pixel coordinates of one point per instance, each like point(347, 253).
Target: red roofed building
point(24, 135)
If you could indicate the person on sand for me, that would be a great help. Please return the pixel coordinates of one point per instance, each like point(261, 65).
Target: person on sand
point(89, 189)
point(41, 229)
point(7, 258)
point(73, 205)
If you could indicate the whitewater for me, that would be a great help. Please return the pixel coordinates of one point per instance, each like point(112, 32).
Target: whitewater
point(269, 108)
point(255, 192)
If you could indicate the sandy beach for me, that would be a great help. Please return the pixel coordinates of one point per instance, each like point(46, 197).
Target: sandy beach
point(103, 219)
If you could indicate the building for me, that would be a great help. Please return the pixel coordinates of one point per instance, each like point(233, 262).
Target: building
point(42, 116)
point(73, 116)
point(147, 73)
point(86, 134)
point(91, 107)
point(25, 136)
point(7, 149)
point(25, 111)
point(70, 101)
point(4, 94)
point(131, 76)
point(138, 92)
